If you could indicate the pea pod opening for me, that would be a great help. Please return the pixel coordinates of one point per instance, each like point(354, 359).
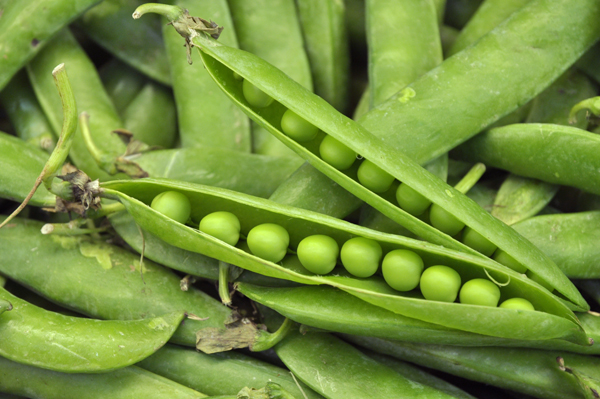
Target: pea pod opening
point(554, 320)
point(222, 61)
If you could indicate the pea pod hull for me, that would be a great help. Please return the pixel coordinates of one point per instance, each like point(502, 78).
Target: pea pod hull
point(40, 338)
point(555, 321)
point(221, 61)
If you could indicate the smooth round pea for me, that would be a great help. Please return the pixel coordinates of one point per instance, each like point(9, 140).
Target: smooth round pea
point(478, 242)
point(402, 269)
point(505, 259)
point(539, 280)
point(480, 292)
point(255, 97)
point(222, 225)
point(318, 253)
point(517, 303)
point(336, 154)
point(361, 256)
point(269, 241)
point(173, 204)
point(444, 221)
point(373, 177)
point(440, 283)
point(297, 128)
point(411, 201)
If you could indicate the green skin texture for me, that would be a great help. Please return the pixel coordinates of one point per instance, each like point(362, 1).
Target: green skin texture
point(301, 223)
point(476, 241)
point(151, 116)
point(255, 96)
point(71, 269)
point(126, 383)
point(517, 303)
point(569, 239)
point(222, 225)
point(268, 241)
point(402, 269)
point(542, 151)
point(373, 177)
point(328, 308)
point(49, 340)
point(361, 256)
point(335, 369)
point(20, 165)
point(297, 128)
point(282, 46)
point(316, 111)
point(121, 82)
point(89, 96)
point(480, 292)
point(325, 39)
point(138, 44)
point(206, 118)
point(318, 253)
point(212, 374)
point(23, 109)
point(440, 283)
point(336, 154)
point(21, 24)
point(530, 371)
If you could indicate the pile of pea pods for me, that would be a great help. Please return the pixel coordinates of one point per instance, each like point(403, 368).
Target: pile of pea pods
point(299, 199)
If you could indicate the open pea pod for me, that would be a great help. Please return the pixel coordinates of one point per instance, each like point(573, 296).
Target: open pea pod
point(554, 320)
point(49, 340)
point(224, 62)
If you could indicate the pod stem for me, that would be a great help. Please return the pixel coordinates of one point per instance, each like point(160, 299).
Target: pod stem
point(471, 178)
point(172, 13)
point(266, 340)
point(61, 151)
point(591, 105)
point(73, 228)
point(224, 293)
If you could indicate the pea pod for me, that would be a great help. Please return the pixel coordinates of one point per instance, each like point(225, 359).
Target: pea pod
point(529, 371)
point(327, 308)
point(324, 31)
point(569, 239)
point(121, 82)
point(40, 338)
point(140, 46)
point(72, 268)
point(126, 383)
point(218, 123)
point(589, 63)
point(208, 373)
point(221, 61)
point(545, 151)
point(21, 164)
point(459, 12)
point(89, 95)
point(25, 113)
point(23, 34)
point(299, 223)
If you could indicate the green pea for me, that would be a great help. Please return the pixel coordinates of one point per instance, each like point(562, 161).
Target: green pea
point(444, 221)
point(517, 303)
point(173, 204)
point(318, 253)
point(480, 292)
point(255, 97)
point(297, 127)
point(373, 177)
point(336, 154)
point(411, 201)
point(505, 259)
point(440, 283)
point(478, 242)
point(269, 241)
point(533, 276)
point(237, 76)
point(402, 269)
point(222, 225)
point(361, 256)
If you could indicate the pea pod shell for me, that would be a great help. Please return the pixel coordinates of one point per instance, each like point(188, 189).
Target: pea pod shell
point(330, 309)
point(40, 338)
point(126, 383)
point(20, 166)
point(552, 153)
point(299, 223)
point(220, 60)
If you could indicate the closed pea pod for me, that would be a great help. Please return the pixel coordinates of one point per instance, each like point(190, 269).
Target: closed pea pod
point(222, 60)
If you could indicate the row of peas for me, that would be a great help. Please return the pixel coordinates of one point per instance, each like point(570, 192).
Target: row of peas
point(403, 270)
point(379, 181)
